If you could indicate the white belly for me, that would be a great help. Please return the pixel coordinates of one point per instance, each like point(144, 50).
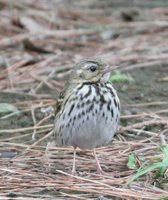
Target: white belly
point(92, 124)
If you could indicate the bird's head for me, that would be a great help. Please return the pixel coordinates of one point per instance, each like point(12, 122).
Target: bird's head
point(91, 70)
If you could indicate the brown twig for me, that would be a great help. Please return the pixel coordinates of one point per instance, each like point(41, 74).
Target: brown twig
point(144, 124)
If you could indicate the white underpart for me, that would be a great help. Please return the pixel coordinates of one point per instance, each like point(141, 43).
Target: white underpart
point(89, 133)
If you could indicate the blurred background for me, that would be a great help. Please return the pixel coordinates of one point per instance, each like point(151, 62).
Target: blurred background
point(41, 40)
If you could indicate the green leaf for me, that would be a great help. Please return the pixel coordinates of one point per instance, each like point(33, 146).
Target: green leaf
point(7, 108)
point(164, 198)
point(165, 151)
point(160, 166)
point(118, 77)
point(131, 164)
point(164, 162)
point(13, 114)
point(145, 171)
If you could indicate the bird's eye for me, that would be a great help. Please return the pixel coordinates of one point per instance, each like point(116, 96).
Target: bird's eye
point(93, 68)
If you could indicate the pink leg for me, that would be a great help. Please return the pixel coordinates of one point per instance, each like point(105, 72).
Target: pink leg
point(99, 169)
point(74, 166)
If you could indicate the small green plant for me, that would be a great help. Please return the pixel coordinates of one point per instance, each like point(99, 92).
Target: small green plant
point(132, 164)
point(8, 110)
point(119, 77)
point(7, 107)
point(164, 198)
point(160, 167)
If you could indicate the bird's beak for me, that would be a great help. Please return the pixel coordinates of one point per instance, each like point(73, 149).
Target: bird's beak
point(107, 72)
point(109, 69)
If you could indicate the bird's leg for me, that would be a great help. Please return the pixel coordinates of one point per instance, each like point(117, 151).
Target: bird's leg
point(74, 157)
point(99, 169)
point(47, 155)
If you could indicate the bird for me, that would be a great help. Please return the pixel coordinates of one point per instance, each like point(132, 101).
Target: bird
point(88, 113)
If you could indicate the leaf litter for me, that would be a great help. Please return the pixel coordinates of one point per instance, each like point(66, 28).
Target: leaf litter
point(39, 43)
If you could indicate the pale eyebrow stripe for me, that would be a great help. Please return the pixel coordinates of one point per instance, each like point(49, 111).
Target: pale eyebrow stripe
point(89, 64)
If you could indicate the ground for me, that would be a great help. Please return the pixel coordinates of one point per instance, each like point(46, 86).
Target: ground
point(40, 41)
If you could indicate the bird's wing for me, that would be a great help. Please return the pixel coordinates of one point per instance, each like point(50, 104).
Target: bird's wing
point(59, 103)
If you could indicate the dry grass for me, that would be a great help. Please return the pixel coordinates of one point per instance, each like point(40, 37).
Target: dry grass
point(39, 42)
point(32, 174)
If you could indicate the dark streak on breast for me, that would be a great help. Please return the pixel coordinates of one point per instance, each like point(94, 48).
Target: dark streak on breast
point(72, 107)
point(88, 93)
